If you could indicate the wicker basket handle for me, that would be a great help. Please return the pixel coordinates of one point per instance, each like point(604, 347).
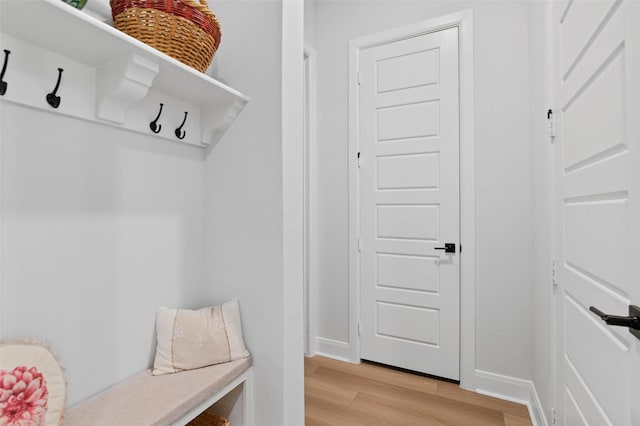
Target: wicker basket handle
point(202, 6)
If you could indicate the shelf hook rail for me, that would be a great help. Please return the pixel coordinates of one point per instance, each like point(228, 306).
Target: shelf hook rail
point(52, 98)
point(180, 134)
point(154, 126)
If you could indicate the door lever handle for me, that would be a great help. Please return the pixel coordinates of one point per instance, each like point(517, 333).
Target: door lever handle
point(448, 248)
point(632, 321)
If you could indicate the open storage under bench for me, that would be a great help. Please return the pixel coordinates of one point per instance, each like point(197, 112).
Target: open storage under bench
point(171, 399)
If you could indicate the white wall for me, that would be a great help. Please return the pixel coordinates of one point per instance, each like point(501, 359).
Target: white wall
point(504, 312)
point(99, 228)
point(244, 203)
point(309, 22)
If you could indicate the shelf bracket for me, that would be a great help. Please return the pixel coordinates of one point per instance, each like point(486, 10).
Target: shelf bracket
point(215, 122)
point(122, 83)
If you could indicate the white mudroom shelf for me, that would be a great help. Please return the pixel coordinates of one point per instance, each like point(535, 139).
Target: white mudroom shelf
point(107, 76)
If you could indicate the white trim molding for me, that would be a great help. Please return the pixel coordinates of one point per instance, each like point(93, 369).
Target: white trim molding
point(310, 199)
point(512, 389)
point(464, 22)
point(292, 354)
point(333, 349)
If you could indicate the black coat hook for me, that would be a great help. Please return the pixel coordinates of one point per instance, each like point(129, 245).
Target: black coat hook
point(3, 84)
point(180, 134)
point(52, 98)
point(155, 127)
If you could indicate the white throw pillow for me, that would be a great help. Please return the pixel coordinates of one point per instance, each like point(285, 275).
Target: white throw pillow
point(189, 339)
point(32, 386)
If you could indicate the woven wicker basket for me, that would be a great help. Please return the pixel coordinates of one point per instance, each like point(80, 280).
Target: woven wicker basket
point(183, 29)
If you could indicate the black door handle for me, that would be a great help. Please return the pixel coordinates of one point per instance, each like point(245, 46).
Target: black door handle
point(632, 321)
point(448, 248)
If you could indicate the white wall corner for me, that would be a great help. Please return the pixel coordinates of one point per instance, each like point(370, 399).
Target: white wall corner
point(122, 83)
point(512, 389)
point(334, 349)
point(292, 211)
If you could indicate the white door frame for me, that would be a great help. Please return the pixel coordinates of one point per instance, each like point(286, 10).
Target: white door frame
point(464, 21)
point(310, 180)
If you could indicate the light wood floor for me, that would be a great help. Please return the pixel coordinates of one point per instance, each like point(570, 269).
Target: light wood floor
point(338, 393)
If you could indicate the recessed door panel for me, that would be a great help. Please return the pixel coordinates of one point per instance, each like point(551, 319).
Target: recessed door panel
point(585, 402)
point(410, 272)
point(413, 222)
point(408, 171)
point(408, 71)
point(574, 415)
point(580, 22)
point(412, 323)
point(583, 334)
point(414, 120)
point(595, 230)
point(594, 119)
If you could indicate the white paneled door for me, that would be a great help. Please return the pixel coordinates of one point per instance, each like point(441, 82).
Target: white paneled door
point(597, 94)
point(409, 203)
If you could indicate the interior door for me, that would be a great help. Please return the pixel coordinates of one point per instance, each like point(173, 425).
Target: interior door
point(409, 203)
point(597, 92)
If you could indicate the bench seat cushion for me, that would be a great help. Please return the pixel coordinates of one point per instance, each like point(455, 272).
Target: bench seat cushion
point(154, 400)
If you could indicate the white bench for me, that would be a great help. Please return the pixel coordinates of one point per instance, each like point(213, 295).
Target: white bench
point(171, 399)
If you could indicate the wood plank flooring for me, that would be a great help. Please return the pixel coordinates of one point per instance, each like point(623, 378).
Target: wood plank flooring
point(339, 393)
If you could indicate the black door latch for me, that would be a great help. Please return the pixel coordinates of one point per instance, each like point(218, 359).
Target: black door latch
point(448, 248)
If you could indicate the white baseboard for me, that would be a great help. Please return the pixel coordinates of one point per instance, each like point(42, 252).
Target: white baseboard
point(512, 389)
point(535, 408)
point(332, 349)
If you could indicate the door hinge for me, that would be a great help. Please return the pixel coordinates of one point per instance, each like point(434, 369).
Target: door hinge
point(359, 77)
point(554, 282)
point(358, 159)
point(359, 328)
point(554, 417)
point(551, 125)
point(359, 244)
